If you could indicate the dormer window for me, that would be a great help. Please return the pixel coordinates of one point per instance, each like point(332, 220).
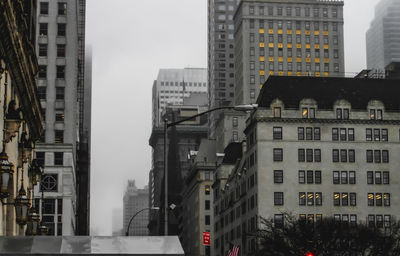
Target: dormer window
point(277, 112)
point(375, 114)
point(308, 112)
point(342, 113)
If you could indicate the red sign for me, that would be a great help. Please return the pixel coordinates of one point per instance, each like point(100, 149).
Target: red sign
point(206, 238)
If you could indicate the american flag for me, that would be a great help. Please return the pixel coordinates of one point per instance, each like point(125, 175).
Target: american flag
point(234, 251)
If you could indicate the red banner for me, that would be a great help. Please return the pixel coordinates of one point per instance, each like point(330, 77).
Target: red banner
point(206, 238)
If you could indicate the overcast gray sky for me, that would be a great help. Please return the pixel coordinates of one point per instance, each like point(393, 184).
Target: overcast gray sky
point(132, 40)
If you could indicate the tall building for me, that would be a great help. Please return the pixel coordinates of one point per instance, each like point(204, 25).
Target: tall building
point(21, 120)
point(316, 148)
point(221, 62)
point(136, 200)
point(173, 85)
point(383, 41)
point(60, 50)
point(301, 38)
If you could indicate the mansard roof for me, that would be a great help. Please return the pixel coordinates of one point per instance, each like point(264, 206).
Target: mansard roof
point(325, 91)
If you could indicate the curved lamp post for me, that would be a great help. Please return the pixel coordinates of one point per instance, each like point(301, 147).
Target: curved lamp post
point(242, 108)
point(130, 221)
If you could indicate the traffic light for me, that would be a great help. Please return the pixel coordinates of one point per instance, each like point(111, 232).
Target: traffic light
point(308, 253)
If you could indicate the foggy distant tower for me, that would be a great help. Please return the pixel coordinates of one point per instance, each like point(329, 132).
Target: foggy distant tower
point(383, 40)
point(221, 62)
point(169, 88)
point(286, 38)
point(135, 200)
point(60, 47)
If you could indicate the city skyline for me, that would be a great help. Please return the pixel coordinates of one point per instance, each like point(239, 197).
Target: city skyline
point(139, 50)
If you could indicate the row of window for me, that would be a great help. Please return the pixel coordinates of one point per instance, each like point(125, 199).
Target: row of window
point(289, 39)
point(290, 68)
point(342, 155)
point(58, 158)
point(61, 8)
point(60, 72)
point(61, 29)
point(42, 93)
point(279, 24)
point(341, 113)
point(296, 11)
point(338, 134)
point(339, 199)
point(189, 84)
point(339, 177)
point(289, 54)
point(378, 221)
point(61, 48)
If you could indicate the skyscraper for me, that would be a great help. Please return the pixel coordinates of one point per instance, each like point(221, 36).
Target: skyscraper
point(383, 41)
point(60, 48)
point(169, 88)
point(293, 38)
point(136, 200)
point(221, 62)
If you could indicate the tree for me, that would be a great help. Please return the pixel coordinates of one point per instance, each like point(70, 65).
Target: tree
point(325, 238)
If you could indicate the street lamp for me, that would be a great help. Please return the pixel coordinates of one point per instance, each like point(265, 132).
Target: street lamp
point(243, 108)
point(130, 221)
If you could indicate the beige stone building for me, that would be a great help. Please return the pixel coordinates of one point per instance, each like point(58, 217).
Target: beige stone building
point(316, 147)
point(21, 119)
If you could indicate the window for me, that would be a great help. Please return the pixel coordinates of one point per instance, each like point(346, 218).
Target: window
point(207, 189)
point(60, 93)
point(309, 133)
point(235, 136)
point(377, 156)
point(335, 134)
point(386, 199)
point(279, 11)
point(310, 198)
point(277, 112)
point(385, 156)
point(370, 199)
point(277, 133)
point(40, 158)
point(278, 154)
point(353, 199)
point(351, 134)
point(58, 158)
point(278, 198)
point(60, 117)
point(343, 155)
point(378, 178)
point(384, 134)
point(310, 177)
point(309, 155)
point(307, 112)
point(60, 72)
point(370, 177)
point(378, 199)
point(371, 221)
point(318, 198)
point(60, 50)
point(278, 220)
point(343, 177)
point(302, 177)
point(302, 198)
point(49, 184)
point(369, 156)
point(62, 8)
point(317, 133)
point(377, 135)
point(42, 92)
point(352, 156)
point(207, 220)
point(42, 50)
point(338, 113)
point(59, 136)
point(345, 199)
point(317, 155)
point(336, 179)
point(352, 177)
point(386, 178)
point(61, 29)
point(336, 199)
point(335, 155)
point(300, 133)
point(42, 72)
point(301, 155)
point(207, 204)
point(368, 133)
point(278, 176)
point(343, 134)
point(44, 8)
point(379, 221)
point(43, 29)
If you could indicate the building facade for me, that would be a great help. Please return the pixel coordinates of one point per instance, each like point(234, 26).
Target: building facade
point(221, 62)
point(173, 86)
point(316, 147)
point(136, 200)
point(293, 38)
point(383, 43)
point(182, 139)
point(197, 212)
point(20, 115)
point(60, 42)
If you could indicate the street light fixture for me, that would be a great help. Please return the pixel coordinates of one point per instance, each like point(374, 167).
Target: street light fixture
point(242, 108)
point(130, 221)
